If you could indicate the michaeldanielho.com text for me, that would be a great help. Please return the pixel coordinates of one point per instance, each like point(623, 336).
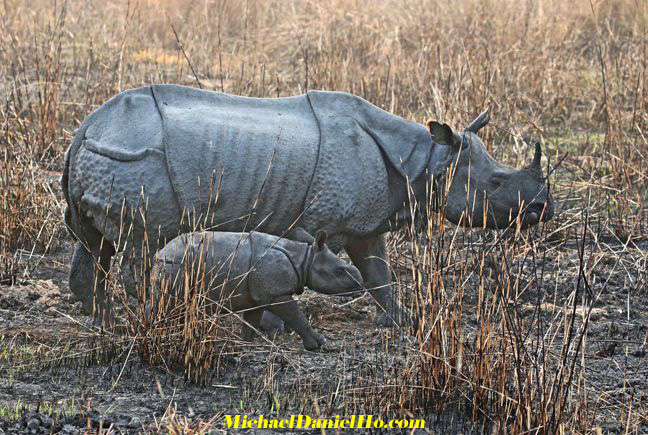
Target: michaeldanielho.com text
point(305, 422)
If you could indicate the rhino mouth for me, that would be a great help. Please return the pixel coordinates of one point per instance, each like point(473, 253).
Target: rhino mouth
point(532, 213)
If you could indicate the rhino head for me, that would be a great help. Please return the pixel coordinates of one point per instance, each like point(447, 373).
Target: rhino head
point(483, 192)
point(329, 274)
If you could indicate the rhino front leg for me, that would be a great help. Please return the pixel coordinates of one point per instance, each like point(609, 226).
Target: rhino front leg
point(272, 323)
point(286, 308)
point(370, 257)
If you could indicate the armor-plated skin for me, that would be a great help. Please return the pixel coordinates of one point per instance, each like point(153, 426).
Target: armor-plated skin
point(254, 272)
point(159, 161)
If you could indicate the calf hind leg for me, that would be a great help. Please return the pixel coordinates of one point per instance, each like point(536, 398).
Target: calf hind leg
point(253, 318)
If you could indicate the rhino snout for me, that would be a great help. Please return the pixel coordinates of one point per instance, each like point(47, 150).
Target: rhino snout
point(536, 212)
point(358, 283)
point(342, 280)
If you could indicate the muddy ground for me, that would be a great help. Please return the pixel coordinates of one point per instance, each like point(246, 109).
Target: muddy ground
point(51, 381)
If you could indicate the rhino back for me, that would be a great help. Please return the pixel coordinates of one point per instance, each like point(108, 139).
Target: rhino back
point(228, 259)
point(223, 257)
point(265, 148)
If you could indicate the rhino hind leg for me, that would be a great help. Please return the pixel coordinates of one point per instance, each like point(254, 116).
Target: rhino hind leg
point(82, 275)
point(136, 265)
point(131, 269)
point(370, 257)
point(89, 275)
point(272, 323)
point(253, 317)
point(126, 273)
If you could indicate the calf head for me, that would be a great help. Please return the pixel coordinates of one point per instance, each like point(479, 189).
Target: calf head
point(328, 273)
point(484, 192)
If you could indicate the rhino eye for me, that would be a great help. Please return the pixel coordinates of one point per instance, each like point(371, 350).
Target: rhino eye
point(497, 181)
point(340, 271)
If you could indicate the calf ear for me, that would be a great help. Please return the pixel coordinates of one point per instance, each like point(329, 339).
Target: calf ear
point(441, 133)
point(320, 239)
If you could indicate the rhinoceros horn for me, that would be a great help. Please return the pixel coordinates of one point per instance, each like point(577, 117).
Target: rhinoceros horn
point(534, 168)
point(537, 156)
point(480, 121)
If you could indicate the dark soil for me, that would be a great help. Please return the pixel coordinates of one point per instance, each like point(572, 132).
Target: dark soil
point(52, 380)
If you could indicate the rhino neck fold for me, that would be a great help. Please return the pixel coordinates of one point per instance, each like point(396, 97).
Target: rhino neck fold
point(301, 268)
point(306, 266)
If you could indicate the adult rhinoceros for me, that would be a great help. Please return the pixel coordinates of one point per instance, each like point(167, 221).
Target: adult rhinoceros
point(158, 161)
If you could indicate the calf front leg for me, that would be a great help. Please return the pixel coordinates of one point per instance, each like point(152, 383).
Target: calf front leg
point(270, 322)
point(370, 257)
point(286, 308)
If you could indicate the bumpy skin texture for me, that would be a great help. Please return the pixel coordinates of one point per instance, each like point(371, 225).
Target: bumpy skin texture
point(253, 272)
point(164, 160)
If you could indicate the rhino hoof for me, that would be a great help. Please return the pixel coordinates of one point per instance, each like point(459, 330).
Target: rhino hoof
point(330, 347)
point(316, 342)
point(400, 318)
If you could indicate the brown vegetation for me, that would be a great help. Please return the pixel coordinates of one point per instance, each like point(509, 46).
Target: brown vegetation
point(505, 320)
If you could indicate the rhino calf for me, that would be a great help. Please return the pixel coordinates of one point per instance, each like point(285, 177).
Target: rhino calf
point(254, 272)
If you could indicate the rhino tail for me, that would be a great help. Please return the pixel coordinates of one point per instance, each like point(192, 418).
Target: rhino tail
point(72, 221)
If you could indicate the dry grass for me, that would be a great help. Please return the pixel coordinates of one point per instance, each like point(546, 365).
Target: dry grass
point(570, 74)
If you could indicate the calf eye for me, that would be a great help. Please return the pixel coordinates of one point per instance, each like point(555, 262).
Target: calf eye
point(496, 181)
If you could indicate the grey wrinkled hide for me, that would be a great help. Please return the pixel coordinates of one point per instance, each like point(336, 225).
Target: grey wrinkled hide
point(163, 160)
point(325, 145)
point(253, 272)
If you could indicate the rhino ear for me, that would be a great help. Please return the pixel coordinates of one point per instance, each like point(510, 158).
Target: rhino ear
point(320, 239)
point(442, 133)
point(480, 121)
point(441, 158)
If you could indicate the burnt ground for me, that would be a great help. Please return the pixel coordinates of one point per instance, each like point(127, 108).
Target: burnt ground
point(55, 376)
